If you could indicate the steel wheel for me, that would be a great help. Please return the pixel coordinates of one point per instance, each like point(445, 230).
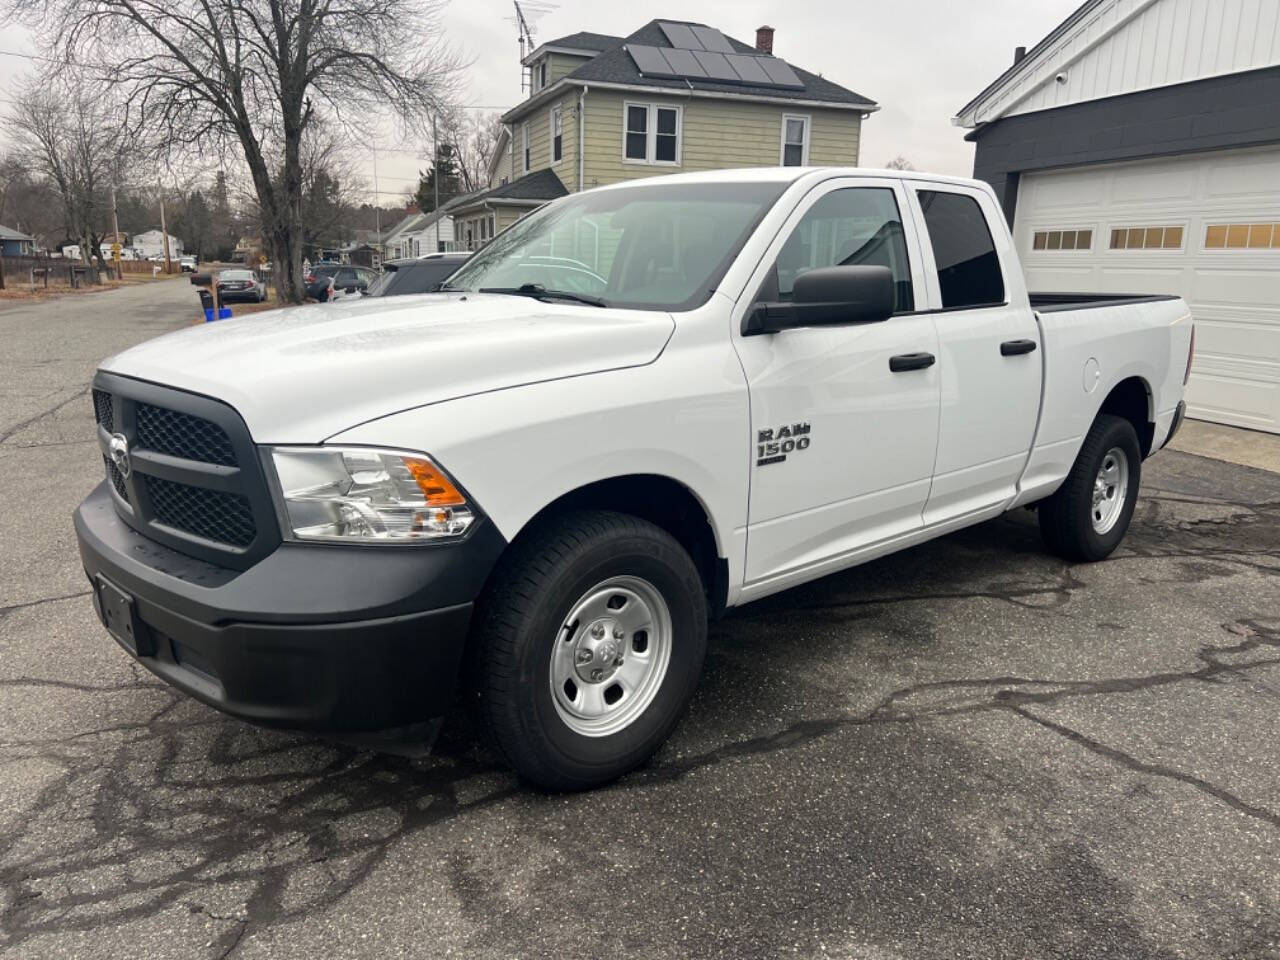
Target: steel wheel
point(611, 656)
point(1110, 488)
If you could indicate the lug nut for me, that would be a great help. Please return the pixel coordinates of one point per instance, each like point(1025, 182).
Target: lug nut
point(584, 656)
point(618, 662)
point(597, 675)
point(617, 633)
point(597, 631)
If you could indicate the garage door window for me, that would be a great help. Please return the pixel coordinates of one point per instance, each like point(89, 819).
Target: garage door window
point(1147, 238)
point(1062, 240)
point(1242, 236)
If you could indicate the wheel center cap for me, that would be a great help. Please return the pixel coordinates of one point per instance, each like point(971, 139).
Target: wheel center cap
point(599, 652)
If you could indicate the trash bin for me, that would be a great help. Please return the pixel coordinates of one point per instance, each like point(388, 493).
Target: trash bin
point(206, 302)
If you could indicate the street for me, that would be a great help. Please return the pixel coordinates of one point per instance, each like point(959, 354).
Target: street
point(968, 749)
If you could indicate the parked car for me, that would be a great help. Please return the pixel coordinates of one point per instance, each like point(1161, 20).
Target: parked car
point(645, 404)
point(348, 280)
point(420, 275)
point(187, 264)
point(240, 286)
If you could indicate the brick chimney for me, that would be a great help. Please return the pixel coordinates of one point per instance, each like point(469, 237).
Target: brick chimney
point(411, 207)
point(764, 39)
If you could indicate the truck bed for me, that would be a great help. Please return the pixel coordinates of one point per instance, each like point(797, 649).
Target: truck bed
point(1048, 302)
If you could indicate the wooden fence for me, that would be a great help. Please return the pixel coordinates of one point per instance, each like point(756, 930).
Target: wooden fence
point(63, 271)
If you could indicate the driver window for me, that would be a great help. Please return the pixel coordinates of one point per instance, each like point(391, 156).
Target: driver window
point(851, 227)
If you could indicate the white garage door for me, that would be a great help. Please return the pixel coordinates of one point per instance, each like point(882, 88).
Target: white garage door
point(1205, 226)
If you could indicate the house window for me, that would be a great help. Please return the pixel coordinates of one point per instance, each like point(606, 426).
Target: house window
point(1062, 240)
point(795, 140)
point(542, 74)
point(651, 133)
point(524, 133)
point(1146, 238)
point(1242, 236)
point(557, 127)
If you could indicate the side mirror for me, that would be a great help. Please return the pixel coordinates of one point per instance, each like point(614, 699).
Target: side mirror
point(828, 296)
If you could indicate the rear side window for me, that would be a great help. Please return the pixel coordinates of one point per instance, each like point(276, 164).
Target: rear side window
point(968, 268)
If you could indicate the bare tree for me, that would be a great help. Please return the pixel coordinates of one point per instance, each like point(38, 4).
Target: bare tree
point(251, 77)
point(899, 163)
point(66, 134)
point(474, 138)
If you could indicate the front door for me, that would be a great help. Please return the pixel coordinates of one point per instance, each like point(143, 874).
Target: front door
point(842, 446)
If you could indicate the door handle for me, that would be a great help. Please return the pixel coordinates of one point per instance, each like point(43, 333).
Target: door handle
point(911, 361)
point(1011, 348)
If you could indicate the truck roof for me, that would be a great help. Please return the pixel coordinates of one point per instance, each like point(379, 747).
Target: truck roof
point(794, 174)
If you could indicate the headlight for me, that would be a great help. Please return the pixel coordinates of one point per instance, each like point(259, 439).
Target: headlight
point(361, 494)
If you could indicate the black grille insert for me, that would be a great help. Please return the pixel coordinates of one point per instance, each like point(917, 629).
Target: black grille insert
point(117, 479)
point(183, 435)
point(211, 514)
point(104, 409)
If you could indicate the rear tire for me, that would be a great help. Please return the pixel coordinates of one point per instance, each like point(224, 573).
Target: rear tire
point(1087, 517)
point(588, 607)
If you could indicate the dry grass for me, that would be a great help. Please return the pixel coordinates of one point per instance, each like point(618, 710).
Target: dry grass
point(26, 292)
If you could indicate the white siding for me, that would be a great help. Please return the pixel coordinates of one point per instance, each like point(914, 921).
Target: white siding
point(1123, 46)
point(1234, 294)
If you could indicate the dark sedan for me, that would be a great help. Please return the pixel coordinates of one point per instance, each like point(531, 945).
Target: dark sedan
point(240, 286)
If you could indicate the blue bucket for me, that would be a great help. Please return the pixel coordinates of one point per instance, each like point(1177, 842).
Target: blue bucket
point(224, 313)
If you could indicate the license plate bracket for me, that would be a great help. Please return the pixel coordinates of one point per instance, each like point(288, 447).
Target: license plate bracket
point(120, 616)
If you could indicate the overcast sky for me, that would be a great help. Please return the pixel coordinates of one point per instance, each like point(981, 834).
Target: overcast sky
point(921, 60)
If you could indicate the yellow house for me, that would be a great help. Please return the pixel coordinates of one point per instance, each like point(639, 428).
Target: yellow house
point(672, 97)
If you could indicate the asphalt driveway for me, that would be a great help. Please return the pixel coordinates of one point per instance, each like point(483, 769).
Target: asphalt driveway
point(969, 749)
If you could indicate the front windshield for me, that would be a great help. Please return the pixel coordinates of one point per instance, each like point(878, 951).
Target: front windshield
point(660, 246)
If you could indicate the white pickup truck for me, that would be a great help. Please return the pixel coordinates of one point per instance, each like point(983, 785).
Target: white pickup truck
point(637, 407)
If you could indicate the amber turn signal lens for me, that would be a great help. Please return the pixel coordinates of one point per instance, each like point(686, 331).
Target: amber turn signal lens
point(435, 486)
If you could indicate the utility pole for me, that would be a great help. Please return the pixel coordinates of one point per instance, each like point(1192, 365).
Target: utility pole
point(435, 176)
point(115, 228)
point(164, 232)
point(377, 208)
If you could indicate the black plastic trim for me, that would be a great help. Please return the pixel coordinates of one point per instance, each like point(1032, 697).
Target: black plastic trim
point(911, 361)
point(246, 479)
point(1016, 348)
point(1055, 302)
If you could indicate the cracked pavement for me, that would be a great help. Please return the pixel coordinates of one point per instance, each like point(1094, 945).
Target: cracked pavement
point(969, 749)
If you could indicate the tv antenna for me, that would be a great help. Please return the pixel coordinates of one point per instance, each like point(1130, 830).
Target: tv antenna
point(527, 14)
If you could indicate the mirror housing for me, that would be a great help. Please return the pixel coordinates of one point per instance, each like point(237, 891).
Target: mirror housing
point(828, 296)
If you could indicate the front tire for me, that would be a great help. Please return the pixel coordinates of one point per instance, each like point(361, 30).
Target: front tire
point(1088, 516)
point(587, 648)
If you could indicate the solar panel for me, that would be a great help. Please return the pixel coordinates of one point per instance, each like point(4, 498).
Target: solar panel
point(717, 66)
point(684, 63)
point(712, 40)
point(680, 36)
point(748, 68)
point(651, 61)
point(780, 72)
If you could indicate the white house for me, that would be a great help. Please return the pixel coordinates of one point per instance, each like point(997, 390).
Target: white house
point(419, 234)
point(151, 244)
point(1136, 149)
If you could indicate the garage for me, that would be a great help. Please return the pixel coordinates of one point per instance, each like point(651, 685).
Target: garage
point(1136, 149)
point(1206, 227)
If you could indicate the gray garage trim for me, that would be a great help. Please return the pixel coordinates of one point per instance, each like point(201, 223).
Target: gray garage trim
point(1239, 110)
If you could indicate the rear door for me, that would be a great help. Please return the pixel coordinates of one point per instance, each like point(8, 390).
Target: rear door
point(990, 356)
point(842, 446)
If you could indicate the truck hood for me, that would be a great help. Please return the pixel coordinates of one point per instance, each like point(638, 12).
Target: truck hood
point(301, 374)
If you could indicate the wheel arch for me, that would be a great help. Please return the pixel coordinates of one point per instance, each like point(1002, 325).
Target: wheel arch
point(1132, 399)
point(663, 501)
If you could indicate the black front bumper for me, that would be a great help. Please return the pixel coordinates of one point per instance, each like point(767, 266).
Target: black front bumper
point(358, 641)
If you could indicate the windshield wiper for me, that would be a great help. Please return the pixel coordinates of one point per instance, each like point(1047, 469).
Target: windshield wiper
point(539, 292)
